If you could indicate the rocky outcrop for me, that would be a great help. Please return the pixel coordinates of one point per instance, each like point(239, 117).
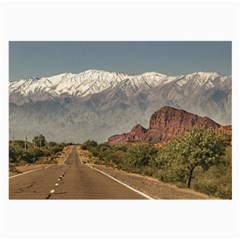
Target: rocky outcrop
point(164, 124)
point(136, 134)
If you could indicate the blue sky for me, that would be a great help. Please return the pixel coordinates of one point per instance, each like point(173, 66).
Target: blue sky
point(29, 59)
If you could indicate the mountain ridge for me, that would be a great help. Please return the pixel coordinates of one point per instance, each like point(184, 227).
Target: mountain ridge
point(51, 84)
point(123, 73)
point(98, 105)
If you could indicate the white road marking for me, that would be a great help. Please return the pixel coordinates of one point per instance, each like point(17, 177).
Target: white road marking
point(26, 172)
point(124, 184)
point(31, 171)
point(67, 156)
point(49, 166)
point(79, 157)
point(52, 191)
point(56, 184)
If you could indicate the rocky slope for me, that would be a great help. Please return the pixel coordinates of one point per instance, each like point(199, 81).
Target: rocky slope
point(164, 124)
point(96, 104)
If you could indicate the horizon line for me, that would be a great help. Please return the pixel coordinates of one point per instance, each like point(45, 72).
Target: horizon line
point(110, 71)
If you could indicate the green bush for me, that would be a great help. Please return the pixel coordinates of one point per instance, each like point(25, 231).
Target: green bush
point(198, 147)
point(147, 170)
point(15, 153)
point(115, 157)
point(89, 144)
point(84, 147)
point(141, 155)
point(39, 141)
point(217, 181)
point(56, 148)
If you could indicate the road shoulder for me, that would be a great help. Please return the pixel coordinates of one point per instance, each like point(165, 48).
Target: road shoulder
point(152, 186)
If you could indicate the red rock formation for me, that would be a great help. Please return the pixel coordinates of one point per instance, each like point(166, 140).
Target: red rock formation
point(227, 130)
point(136, 134)
point(166, 123)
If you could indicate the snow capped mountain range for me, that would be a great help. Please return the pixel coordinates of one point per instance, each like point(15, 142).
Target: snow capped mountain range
point(112, 101)
point(95, 81)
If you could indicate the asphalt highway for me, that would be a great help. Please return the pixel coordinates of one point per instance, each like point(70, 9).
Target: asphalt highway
point(72, 180)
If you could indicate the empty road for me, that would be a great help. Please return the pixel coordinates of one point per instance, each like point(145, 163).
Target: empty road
point(72, 180)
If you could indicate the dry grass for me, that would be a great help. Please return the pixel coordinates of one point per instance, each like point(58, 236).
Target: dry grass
point(85, 156)
point(62, 155)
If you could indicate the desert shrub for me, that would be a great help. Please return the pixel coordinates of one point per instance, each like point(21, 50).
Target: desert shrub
point(121, 147)
point(199, 147)
point(103, 147)
point(89, 144)
point(95, 153)
point(141, 155)
point(15, 153)
point(217, 181)
point(56, 148)
point(83, 147)
point(26, 156)
point(101, 151)
point(115, 156)
point(18, 154)
point(39, 141)
point(147, 170)
point(13, 169)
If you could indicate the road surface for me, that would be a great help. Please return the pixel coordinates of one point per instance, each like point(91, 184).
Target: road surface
point(72, 180)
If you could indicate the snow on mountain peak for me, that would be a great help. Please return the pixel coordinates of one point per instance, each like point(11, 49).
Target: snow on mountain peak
point(200, 78)
point(93, 81)
point(205, 74)
point(153, 74)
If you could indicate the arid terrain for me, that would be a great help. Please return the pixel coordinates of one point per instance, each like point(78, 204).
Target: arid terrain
point(147, 185)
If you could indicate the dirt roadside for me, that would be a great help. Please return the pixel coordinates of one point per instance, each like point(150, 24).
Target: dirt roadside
point(152, 186)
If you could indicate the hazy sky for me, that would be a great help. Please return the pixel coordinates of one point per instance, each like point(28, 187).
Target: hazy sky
point(29, 59)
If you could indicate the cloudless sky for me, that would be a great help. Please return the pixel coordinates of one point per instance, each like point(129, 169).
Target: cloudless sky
point(38, 59)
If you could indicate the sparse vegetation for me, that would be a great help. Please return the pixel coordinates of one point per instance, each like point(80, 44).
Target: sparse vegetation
point(200, 159)
point(89, 144)
point(23, 152)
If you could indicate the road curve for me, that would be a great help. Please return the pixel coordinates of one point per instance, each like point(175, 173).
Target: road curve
point(73, 180)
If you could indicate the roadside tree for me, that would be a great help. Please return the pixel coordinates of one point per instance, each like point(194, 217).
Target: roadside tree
point(199, 147)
